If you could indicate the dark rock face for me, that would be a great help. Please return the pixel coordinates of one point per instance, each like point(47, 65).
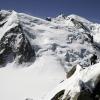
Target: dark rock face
point(87, 95)
point(59, 95)
point(71, 72)
point(96, 92)
point(48, 19)
point(80, 25)
point(2, 17)
point(14, 44)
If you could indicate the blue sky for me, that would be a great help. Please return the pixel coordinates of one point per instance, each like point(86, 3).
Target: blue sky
point(89, 9)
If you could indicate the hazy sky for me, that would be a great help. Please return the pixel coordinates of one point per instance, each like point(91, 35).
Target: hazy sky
point(42, 8)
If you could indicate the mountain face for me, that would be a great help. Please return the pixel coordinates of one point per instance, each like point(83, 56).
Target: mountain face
point(68, 37)
point(14, 45)
point(53, 47)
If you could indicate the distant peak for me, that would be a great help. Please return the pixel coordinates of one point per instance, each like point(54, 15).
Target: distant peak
point(74, 16)
point(64, 15)
point(61, 16)
point(71, 16)
point(78, 18)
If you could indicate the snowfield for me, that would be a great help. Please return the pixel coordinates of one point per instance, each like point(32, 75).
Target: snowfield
point(59, 45)
point(32, 82)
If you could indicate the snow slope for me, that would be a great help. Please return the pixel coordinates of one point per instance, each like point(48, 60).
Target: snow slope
point(58, 45)
point(82, 78)
point(32, 82)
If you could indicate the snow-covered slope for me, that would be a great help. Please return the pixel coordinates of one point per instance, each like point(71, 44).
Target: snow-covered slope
point(84, 84)
point(36, 54)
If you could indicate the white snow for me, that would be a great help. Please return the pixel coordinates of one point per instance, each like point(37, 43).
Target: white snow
point(32, 82)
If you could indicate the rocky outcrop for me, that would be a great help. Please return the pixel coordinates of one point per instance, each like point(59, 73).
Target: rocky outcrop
point(15, 45)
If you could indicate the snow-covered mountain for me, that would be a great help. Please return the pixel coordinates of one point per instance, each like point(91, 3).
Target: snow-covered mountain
point(36, 54)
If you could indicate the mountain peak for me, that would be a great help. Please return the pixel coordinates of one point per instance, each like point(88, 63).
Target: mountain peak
point(72, 16)
point(78, 18)
point(61, 16)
